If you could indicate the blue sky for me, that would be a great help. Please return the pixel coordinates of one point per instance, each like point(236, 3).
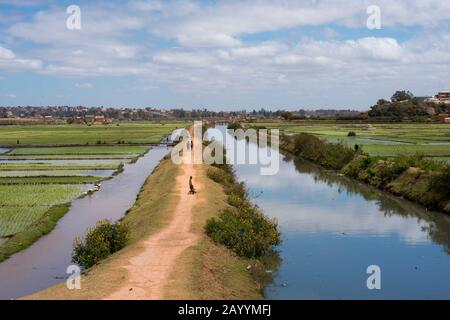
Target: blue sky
point(221, 55)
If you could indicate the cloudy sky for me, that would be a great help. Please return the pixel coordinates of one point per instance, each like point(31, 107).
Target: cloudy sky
point(222, 54)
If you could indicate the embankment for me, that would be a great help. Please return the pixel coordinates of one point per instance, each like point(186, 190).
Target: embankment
point(412, 177)
point(205, 270)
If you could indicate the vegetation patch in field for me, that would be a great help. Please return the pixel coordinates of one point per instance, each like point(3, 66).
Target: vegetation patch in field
point(37, 195)
point(90, 151)
point(50, 180)
point(20, 240)
point(72, 157)
point(57, 173)
point(52, 167)
point(145, 132)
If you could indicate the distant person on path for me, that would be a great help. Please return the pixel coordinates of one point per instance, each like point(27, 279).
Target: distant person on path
point(356, 147)
point(191, 186)
point(192, 144)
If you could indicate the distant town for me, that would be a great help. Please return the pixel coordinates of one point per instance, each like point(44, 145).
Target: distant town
point(403, 106)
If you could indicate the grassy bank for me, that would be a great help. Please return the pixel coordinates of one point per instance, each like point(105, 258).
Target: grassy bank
point(32, 233)
point(410, 176)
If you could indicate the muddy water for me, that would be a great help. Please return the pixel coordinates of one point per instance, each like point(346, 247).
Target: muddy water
point(333, 228)
point(45, 262)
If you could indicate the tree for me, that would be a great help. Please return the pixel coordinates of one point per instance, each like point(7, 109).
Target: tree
point(402, 96)
point(287, 115)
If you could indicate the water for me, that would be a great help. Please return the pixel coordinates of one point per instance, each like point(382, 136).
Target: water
point(3, 150)
point(45, 262)
point(333, 228)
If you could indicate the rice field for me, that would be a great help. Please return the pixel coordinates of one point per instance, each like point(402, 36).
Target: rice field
point(51, 167)
point(70, 157)
point(90, 151)
point(57, 173)
point(49, 180)
point(141, 132)
point(395, 132)
point(387, 140)
point(22, 205)
point(38, 176)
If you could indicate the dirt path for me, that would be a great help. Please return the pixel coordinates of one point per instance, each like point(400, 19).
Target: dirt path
point(149, 271)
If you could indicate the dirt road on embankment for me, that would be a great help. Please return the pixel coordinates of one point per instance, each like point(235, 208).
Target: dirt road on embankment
point(150, 270)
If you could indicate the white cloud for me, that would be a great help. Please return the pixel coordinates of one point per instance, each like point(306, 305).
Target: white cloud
point(84, 85)
point(214, 51)
point(10, 96)
point(10, 61)
point(6, 54)
point(146, 5)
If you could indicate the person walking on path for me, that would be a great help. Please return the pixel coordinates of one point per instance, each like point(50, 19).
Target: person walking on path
point(191, 186)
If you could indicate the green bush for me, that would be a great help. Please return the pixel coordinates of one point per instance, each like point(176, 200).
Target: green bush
point(234, 125)
point(329, 155)
point(246, 231)
point(351, 134)
point(99, 243)
point(242, 228)
point(441, 182)
point(236, 200)
point(217, 175)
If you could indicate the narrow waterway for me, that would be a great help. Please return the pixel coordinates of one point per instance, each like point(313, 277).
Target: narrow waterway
point(45, 262)
point(333, 228)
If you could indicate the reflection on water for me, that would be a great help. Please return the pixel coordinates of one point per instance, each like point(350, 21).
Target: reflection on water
point(3, 150)
point(333, 228)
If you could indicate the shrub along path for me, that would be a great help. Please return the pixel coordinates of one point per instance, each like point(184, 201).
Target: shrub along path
point(150, 270)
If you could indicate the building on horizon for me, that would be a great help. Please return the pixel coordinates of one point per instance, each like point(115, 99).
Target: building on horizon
point(441, 97)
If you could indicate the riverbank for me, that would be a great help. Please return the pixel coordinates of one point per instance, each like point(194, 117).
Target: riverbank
point(169, 256)
point(412, 177)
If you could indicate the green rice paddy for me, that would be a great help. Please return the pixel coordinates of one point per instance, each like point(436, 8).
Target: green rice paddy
point(31, 188)
point(431, 140)
point(145, 132)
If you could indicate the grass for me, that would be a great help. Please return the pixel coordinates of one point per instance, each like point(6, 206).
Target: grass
point(48, 173)
point(28, 211)
point(49, 180)
point(90, 151)
point(34, 231)
point(383, 140)
point(394, 150)
point(400, 132)
point(38, 195)
point(71, 157)
point(143, 132)
point(52, 167)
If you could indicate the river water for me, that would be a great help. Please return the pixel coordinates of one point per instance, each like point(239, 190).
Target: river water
point(333, 228)
point(45, 262)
